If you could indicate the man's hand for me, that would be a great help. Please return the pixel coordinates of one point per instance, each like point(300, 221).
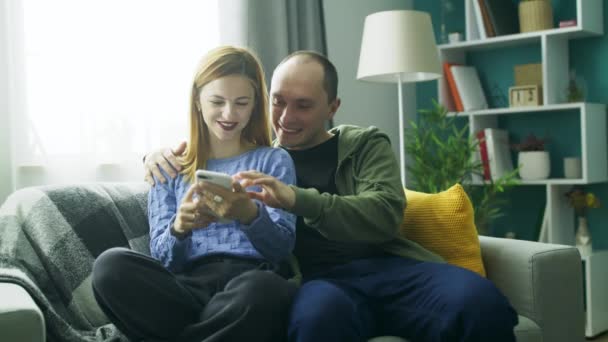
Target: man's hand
point(166, 159)
point(232, 204)
point(274, 193)
point(192, 213)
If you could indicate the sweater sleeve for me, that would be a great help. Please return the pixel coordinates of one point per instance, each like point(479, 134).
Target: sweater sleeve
point(272, 233)
point(373, 212)
point(162, 209)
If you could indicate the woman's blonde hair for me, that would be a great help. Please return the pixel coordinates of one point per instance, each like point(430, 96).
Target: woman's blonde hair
point(217, 63)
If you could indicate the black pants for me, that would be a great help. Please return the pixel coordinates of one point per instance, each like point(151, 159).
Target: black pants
point(218, 299)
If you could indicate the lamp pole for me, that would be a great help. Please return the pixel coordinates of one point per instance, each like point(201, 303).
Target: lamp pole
point(401, 128)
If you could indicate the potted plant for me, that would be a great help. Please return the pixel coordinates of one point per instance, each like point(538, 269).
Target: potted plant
point(535, 15)
point(441, 152)
point(581, 201)
point(533, 160)
point(574, 91)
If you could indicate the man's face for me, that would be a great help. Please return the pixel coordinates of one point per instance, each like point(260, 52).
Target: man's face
point(299, 104)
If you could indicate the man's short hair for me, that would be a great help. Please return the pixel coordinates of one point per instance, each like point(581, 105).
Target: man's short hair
point(330, 75)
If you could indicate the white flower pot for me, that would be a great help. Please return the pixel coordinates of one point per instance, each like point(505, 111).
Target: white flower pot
point(534, 165)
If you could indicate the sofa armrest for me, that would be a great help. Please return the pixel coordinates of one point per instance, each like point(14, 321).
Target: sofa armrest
point(543, 282)
point(20, 317)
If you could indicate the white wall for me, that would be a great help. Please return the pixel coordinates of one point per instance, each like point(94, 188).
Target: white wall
point(363, 103)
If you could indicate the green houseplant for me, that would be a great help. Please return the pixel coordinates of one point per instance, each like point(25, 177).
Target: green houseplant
point(441, 154)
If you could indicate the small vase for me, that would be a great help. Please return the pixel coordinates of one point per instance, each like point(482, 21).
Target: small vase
point(583, 238)
point(535, 15)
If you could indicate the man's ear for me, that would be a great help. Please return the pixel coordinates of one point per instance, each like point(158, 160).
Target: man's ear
point(333, 108)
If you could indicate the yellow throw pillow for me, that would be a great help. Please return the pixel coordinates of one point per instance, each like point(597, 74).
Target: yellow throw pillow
point(444, 223)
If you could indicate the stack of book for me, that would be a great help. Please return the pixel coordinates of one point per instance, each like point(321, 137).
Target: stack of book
point(464, 87)
point(494, 153)
point(495, 17)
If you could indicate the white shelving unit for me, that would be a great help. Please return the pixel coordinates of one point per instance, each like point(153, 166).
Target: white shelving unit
point(554, 48)
point(596, 298)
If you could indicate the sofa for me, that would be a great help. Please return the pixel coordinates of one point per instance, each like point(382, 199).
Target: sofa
point(51, 299)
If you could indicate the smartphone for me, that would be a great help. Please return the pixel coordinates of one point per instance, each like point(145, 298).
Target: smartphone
point(221, 179)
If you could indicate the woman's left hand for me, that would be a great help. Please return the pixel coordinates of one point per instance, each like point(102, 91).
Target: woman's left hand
point(232, 204)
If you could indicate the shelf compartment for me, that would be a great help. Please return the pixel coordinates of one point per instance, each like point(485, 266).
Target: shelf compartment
point(531, 109)
point(589, 18)
point(553, 43)
point(590, 129)
point(518, 39)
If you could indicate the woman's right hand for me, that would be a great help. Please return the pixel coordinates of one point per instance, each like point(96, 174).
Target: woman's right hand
point(192, 213)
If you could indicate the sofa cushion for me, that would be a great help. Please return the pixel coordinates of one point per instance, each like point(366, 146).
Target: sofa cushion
point(444, 224)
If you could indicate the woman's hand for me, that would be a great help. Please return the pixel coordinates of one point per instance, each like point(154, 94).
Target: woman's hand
point(233, 204)
point(192, 213)
point(274, 193)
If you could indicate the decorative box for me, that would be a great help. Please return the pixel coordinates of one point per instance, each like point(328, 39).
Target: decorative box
point(528, 95)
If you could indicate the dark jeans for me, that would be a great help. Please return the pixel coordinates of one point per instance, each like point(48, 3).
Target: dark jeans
point(420, 301)
point(217, 299)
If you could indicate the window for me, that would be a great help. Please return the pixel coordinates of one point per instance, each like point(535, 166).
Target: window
point(106, 81)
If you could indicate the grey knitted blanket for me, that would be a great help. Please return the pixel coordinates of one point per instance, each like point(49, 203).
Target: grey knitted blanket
point(49, 238)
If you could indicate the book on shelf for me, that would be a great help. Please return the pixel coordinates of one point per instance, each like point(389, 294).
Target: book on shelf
point(483, 154)
point(499, 153)
point(504, 16)
point(452, 89)
point(481, 28)
point(487, 22)
point(469, 87)
point(567, 23)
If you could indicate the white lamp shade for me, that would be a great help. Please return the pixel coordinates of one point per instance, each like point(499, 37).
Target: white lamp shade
point(398, 45)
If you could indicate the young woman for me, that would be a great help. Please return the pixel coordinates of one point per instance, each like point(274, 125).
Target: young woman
point(209, 279)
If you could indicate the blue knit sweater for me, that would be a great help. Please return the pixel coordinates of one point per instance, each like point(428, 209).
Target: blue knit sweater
point(270, 236)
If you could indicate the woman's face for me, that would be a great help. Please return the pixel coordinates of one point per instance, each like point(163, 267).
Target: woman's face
point(227, 103)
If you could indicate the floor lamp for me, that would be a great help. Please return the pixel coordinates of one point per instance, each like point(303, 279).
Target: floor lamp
point(398, 47)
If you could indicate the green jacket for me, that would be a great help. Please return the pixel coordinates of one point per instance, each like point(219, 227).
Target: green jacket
point(370, 201)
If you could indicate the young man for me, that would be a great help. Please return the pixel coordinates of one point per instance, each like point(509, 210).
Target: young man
point(360, 277)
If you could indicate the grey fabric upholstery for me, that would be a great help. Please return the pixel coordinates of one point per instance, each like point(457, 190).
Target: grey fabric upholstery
point(542, 281)
point(527, 330)
point(20, 318)
point(51, 236)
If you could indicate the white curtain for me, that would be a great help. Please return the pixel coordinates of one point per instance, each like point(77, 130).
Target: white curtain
point(93, 84)
point(273, 29)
